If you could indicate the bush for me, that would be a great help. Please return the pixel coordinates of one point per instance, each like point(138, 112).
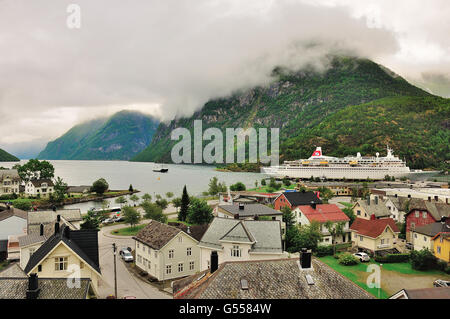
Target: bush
point(324, 250)
point(447, 270)
point(392, 258)
point(423, 260)
point(441, 265)
point(23, 204)
point(347, 259)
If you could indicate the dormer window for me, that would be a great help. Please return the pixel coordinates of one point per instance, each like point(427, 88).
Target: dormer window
point(236, 251)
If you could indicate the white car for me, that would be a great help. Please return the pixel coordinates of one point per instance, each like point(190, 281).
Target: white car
point(362, 256)
point(126, 255)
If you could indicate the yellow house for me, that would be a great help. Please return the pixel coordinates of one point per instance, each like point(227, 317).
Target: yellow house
point(374, 235)
point(68, 254)
point(441, 246)
point(422, 237)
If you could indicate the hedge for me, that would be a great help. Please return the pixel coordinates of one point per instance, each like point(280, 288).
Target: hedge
point(392, 258)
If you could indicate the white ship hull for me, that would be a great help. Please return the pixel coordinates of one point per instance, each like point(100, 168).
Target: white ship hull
point(335, 172)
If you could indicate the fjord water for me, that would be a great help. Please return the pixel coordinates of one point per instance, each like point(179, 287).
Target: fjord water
point(120, 174)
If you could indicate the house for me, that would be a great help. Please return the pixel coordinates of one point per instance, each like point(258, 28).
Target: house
point(323, 213)
point(371, 209)
point(422, 212)
point(248, 211)
point(337, 188)
point(441, 246)
point(397, 206)
point(374, 235)
point(240, 240)
point(34, 287)
point(78, 190)
point(441, 195)
point(13, 222)
point(39, 188)
point(36, 218)
point(68, 254)
point(247, 197)
point(422, 236)
point(166, 252)
point(423, 293)
point(290, 278)
point(9, 182)
point(294, 199)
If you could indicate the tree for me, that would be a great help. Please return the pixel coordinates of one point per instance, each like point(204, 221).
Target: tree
point(350, 214)
point(288, 216)
point(423, 259)
point(256, 184)
point(153, 211)
point(147, 197)
point(100, 186)
point(131, 216)
point(199, 212)
point(176, 202)
point(91, 220)
point(263, 182)
point(162, 203)
point(335, 229)
point(169, 195)
point(158, 197)
point(286, 182)
point(134, 199)
point(237, 187)
point(309, 236)
point(60, 189)
point(325, 194)
point(121, 200)
point(131, 189)
point(35, 169)
point(182, 215)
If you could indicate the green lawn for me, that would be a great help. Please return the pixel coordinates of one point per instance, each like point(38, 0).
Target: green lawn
point(264, 189)
point(128, 231)
point(354, 274)
point(349, 205)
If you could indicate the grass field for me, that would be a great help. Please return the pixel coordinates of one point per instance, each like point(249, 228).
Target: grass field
point(128, 231)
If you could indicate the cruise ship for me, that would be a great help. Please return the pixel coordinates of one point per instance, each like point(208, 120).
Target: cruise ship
point(350, 167)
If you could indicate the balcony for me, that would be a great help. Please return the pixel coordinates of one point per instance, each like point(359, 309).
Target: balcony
point(383, 246)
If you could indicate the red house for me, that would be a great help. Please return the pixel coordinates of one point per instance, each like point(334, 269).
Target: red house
point(295, 199)
point(422, 212)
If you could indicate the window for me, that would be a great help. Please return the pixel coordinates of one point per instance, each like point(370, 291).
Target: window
point(180, 267)
point(60, 263)
point(361, 238)
point(137, 245)
point(143, 248)
point(424, 214)
point(180, 239)
point(235, 251)
point(168, 269)
point(382, 242)
point(189, 251)
point(417, 214)
point(171, 253)
point(415, 235)
point(32, 250)
point(139, 258)
point(81, 265)
point(208, 264)
point(191, 265)
point(39, 268)
point(441, 239)
point(156, 254)
point(386, 230)
point(358, 212)
point(438, 248)
point(424, 238)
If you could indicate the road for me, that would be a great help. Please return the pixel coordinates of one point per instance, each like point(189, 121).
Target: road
point(127, 284)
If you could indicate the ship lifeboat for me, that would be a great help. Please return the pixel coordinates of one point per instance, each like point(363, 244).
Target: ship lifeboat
point(353, 163)
point(305, 163)
point(324, 163)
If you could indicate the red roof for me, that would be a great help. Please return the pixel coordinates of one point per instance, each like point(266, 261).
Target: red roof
point(323, 213)
point(373, 228)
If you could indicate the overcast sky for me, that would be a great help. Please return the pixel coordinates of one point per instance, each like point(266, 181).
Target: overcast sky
point(168, 57)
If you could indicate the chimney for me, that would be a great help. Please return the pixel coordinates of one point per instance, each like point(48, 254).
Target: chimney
point(56, 228)
point(436, 198)
point(376, 200)
point(236, 216)
point(54, 208)
point(313, 205)
point(305, 258)
point(396, 195)
point(241, 206)
point(41, 230)
point(429, 198)
point(58, 218)
point(256, 217)
point(33, 287)
point(66, 232)
point(214, 261)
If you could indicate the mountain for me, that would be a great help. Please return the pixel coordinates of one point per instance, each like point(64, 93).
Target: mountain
point(354, 106)
point(6, 157)
point(119, 137)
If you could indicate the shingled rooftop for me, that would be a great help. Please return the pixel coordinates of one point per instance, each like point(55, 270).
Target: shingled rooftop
point(269, 279)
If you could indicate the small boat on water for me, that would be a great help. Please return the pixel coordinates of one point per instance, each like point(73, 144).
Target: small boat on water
point(161, 169)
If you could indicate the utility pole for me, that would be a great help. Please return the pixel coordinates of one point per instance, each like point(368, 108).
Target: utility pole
point(115, 271)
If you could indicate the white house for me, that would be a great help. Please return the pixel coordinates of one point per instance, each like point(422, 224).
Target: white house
point(39, 188)
point(166, 252)
point(9, 182)
point(241, 240)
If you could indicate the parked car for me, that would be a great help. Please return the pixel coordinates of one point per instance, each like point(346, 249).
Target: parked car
point(441, 283)
point(126, 254)
point(118, 219)
point(362, 256)
point(108, 221)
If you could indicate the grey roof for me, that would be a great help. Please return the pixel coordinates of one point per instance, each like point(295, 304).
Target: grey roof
point(428, 293)
point(12, 271)
point(380, 209)
point(50, 288)
point(270, 279)
point(433, 229)
point(301, 198)
point(39, 182)
point(34, 236)
point(436, 209)
point(156, 234)
point(49, 216)
point(267, 234)
point(9, 172)
point(7, 213)
point(78, 189)
point(31, 239)
point(250, 210)
point(400, 202)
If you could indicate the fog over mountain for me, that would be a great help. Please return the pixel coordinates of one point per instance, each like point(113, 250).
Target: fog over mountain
point(167, 58)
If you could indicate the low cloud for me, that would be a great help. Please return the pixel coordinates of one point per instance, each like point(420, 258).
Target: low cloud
point(167, 58)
